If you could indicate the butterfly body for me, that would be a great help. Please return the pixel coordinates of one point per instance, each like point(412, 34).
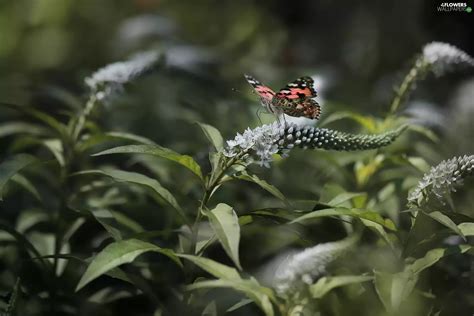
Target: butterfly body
point(295, 99)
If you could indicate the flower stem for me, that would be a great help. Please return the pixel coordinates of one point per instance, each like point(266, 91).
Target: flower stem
point(81, 120)
point(213, 182)
point(419, 69)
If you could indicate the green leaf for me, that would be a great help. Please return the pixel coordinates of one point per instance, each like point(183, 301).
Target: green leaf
point(117, 224)
point(118, 253)
point(419, 163)
point(210, 309)
point(467, 229)
point(119, 274)
point(41, 116)
point(108, 221)
point(263, 184)
point(108, 295)
point(26, 184)
point(140, 179)
point(251, 288)
point(23, 242)
point(212, 267)
point(127, 222)
point(367, 122)
point(343, 197)
point(379, 230)
point(393, 289)
point(131, 137)
point(28, 218)
point(11, 167)
point(446, 221)
point(365, 171)
point(18, 127)
point(156, 150)
point(238, 305)
point(434, 255)
point(97, 139)
point(363, 214)
point(56, 147)
point(326, 284)
point(213, 135)
point(225, 223)
point(424, 131)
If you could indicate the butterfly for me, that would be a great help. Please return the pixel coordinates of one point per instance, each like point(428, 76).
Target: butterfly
point(295, 99)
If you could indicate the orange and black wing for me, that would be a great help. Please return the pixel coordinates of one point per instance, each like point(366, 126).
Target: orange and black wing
point(301, 88)
point(265, 93)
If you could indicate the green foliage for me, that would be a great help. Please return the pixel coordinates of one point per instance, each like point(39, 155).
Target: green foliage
point(116, 254)
point(225, 223)
point(318, 233)
point(157, 151)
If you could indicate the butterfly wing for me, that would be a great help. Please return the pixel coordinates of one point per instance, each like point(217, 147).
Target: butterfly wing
point(307, 108)
point(301, 88)
point(265, 93)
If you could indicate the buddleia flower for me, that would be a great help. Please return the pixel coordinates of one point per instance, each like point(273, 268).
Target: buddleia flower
point(443, 57)
point(109, 80)
point(306, 266)
point(258, 145)
point(441, 180)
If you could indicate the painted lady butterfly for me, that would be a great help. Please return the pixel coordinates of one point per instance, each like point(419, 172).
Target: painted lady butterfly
point(295, 99)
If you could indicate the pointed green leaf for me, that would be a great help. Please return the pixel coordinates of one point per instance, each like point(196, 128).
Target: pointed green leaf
point(238, 305)
point(467, 229)
point(225, 224)
point(434, 255)
point(343, 197)
point(213, 135)
point(363, 214)
point(140, 179)
point(263, 184)
point(26, 184)
point(394, 289)
point(158, 151)
point(212, 267)
point(41, 116)
point(367, 122)
point(108, 221)
point(380, 231)
point(446, 221)
point(56, 147)
point(210, 309)
point(97, 139)
point(251, 288)
point(11, 167)
point(118, 253)
point(12, 128)
point(326, 284)
point(23, 242)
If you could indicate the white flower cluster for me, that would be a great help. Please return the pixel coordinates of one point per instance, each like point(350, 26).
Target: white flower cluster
point(444, 57)
point(109, 80)
point(442, 180)
point(308, 265)
point(262, 141)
